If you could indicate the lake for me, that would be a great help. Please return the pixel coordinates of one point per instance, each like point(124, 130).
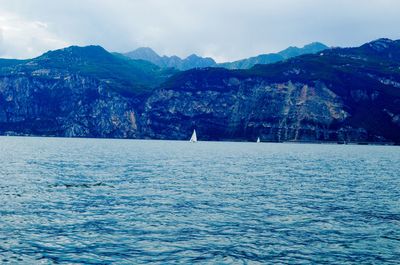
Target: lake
point(101, 201)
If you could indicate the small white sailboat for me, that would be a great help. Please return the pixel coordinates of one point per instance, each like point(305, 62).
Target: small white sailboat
point(193, 139)
point(258, 140)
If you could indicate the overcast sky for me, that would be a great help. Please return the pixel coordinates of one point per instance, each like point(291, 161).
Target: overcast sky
point(222, 29)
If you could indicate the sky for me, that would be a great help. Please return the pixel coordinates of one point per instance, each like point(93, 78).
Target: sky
point(223, 29)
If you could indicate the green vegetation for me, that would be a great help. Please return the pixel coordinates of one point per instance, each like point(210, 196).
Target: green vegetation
point(127, 76)
point(124, 74)
point(359, 76)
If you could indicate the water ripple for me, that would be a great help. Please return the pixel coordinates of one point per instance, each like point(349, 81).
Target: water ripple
point(87, 201)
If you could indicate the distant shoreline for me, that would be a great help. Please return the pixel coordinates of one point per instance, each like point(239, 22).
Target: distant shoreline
point(222, 140)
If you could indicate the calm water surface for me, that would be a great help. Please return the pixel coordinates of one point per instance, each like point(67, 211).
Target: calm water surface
point(87, 201)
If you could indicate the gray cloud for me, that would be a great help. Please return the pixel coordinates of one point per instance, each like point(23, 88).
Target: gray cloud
point(224, 29)
point(1, 41)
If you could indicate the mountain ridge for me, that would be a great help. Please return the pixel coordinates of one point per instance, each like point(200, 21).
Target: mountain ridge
point(270, 58)
point(339, 95)
point(125, 74)
point(191, 61)
point(343, 94)
point(195, 61)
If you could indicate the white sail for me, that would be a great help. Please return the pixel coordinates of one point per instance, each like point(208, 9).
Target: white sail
point(193, 139)
point(258, 140)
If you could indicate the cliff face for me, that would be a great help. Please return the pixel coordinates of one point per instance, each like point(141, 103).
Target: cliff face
point(64, 105)
point(253, 107)
point(74, 92)
point(350, 95)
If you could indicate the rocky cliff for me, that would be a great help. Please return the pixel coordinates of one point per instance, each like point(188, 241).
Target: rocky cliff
point(349, 95)
point(75, 92)
point(64, 105)
point(345, 95)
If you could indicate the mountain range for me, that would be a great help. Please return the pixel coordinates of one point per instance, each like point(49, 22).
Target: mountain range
point(269, 58)
point(194, 61)
point(339, 94)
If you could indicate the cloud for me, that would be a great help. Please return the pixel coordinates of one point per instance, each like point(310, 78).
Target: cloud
point(223, 29)
point(1, 41)
point(21, 38)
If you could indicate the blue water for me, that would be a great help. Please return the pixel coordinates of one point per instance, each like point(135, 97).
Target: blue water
point(88, 201)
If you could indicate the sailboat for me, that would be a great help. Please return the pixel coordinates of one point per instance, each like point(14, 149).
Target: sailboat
point(193, 139)
point(258, 140)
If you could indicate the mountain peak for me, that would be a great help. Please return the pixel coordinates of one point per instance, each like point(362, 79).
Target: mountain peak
point(141, 51)
point(380, 44)
point(195, 61)
point(315, 45)
point(71, 52)
point(146, 54)
point(382, 40)
point(192, 61)
point(82, 49)
point(193, 56)
point(293, 51)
